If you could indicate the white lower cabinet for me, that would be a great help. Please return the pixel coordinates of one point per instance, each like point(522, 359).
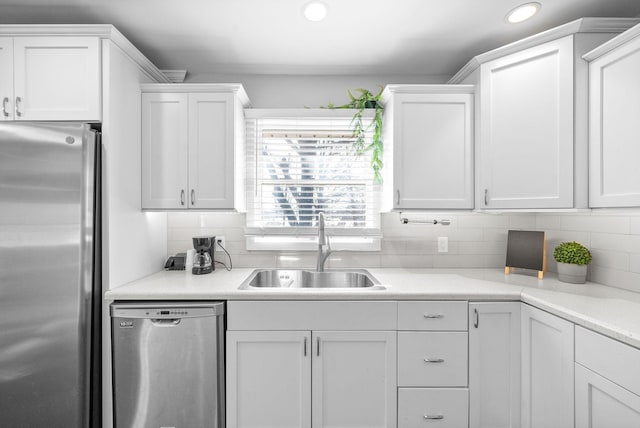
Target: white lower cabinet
point(607, 382)
point(494, 365)
point(432, 364)
point(354, 379)
point(601, 403)
point(437, 407)
point(547, 370)
point(268, 379)
point(324, 379)
point(310, 377)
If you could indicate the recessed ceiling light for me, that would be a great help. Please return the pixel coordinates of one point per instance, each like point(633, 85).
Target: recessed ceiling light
point(522, 12)
point(315, 11)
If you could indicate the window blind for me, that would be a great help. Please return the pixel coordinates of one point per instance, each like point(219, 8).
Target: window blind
point(300, 166)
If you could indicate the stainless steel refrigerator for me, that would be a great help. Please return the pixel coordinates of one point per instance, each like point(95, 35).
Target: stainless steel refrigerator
point(49, 275)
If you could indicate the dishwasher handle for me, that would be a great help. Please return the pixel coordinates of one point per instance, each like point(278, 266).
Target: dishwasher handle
point(165, 322)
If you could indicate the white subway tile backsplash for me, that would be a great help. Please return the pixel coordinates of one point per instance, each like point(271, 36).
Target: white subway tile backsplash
point(600, 223)
point(615, 278)
point(522, 222)
point(483, 220)
point(547, 221)
point(615, 242)
point(481, 247)
point(476, 240)
point(610, 259)
point(406, 261)
point(634, 263)
point(345, 259)
point(458, 261)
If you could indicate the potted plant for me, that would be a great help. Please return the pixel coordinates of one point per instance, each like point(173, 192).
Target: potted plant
point(367, 100)
point(572, 258)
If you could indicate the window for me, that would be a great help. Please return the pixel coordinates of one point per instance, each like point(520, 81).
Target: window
point(299, 165)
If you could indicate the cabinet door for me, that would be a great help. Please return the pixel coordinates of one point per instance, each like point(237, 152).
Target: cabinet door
point(547, 370)
point(268, 379)
point(57, 78)
point(164, 150)
point(494, 365)
point(211, 150)
point(6, 78)
point(433, 150)
point(354, 379)
point(601, 403)
point(527, 128)
point(614, 128)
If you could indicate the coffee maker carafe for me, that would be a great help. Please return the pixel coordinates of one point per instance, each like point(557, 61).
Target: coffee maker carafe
point(203, 260)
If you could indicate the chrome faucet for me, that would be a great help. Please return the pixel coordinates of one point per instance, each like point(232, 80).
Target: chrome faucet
point(324, 248)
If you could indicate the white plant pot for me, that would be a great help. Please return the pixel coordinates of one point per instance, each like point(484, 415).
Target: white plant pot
point(574, 274)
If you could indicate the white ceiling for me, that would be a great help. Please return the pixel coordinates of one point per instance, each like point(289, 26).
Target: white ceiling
point(412, 37)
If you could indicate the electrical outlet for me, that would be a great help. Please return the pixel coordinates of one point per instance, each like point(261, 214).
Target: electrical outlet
point(443, 244)
point(220, 241)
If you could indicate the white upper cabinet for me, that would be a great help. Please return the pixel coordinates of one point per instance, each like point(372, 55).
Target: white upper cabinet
point(614, 132)
point(165, 145)
point(430, 130)
point(532, 117)
point(50, 78)
point(527, 128)
point(6, 77)
point(191, 146)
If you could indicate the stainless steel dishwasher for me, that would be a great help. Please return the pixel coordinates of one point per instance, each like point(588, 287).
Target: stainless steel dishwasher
point(168, 364)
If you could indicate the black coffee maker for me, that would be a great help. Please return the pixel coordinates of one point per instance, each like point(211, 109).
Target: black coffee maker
point(203, 260)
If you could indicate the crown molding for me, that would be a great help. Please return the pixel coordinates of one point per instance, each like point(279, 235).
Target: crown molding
point(235, 88)
point(582, 25)
point(612, 44)
point(103, 31)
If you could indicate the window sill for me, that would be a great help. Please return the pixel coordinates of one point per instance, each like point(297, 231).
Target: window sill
point(310, 243)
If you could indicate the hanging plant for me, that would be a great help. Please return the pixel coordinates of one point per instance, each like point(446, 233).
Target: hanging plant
point(367, 100)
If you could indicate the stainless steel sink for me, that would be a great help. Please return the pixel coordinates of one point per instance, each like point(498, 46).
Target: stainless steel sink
point(302, 279)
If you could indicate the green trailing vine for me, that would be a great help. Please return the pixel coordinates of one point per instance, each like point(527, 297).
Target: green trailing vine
point(367, 100)
point(573, 253)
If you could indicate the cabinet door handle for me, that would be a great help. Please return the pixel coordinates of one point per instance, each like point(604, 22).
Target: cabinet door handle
point(486, 197)
point(433, 316)
point(434, 360)
point(398, 197)
point(18, 101)
point(5, 100)
point(427, 416)
point(305, 346)
point(318, 346)
point(182, 197)
point(193, 197)
point(476, 318)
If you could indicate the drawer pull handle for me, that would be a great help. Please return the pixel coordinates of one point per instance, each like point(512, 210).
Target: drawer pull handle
point(433, 360)
point(427, 416)
point(433, 316)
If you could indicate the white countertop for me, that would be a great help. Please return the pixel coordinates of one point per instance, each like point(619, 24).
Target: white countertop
point(607, 310)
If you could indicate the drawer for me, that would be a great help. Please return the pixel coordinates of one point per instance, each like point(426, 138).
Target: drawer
point(432, 358)
point(424, 407)
point(432, 316)
point(609, 358)
point(311, 315)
